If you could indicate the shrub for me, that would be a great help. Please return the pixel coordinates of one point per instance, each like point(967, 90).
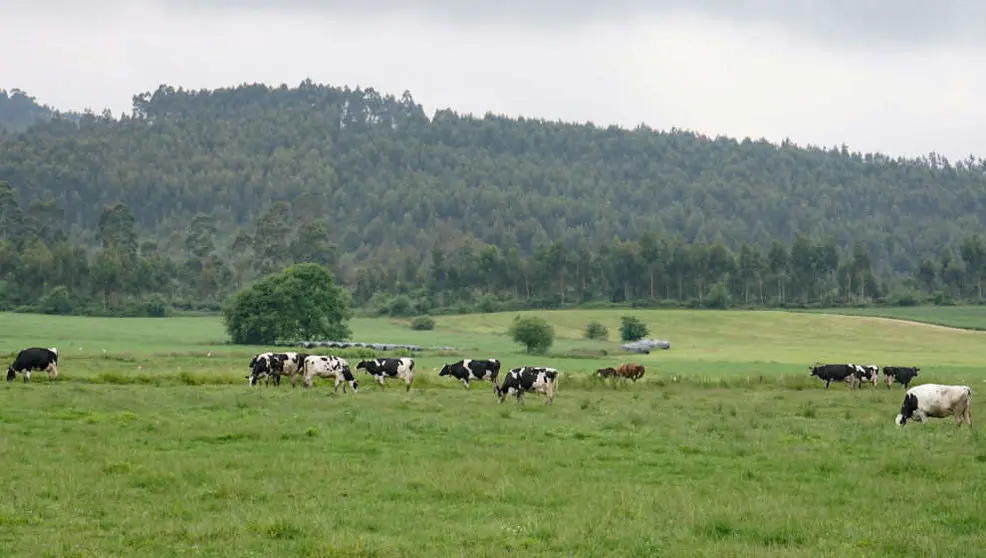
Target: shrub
point(423, 323)
point(596, 330)
point(58, 301)
point(632, 329)
point(533, 332)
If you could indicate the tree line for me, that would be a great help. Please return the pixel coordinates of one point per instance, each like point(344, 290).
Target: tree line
point(390, 181)
point(42, 268)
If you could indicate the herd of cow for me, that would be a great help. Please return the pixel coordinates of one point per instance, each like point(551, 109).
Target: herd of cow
point(856, 374)
point(269, 367)
point(920, 402)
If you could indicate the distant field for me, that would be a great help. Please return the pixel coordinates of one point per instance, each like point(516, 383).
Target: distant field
point(967, 317)
point(708, 344)
point(725, 448)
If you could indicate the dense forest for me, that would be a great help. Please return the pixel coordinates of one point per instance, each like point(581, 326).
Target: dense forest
point(196, 193)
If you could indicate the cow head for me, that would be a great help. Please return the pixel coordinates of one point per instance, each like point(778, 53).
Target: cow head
point(446, 370)
point(814, 370)
point(365, 364)
point(10, 374)
point(53, 350)
point(605, 372)
point(907, 409)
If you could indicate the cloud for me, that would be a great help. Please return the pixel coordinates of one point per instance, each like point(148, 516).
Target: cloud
point(859, 22)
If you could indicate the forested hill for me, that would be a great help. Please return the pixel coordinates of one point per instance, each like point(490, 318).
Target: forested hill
point(391, 180)
point(18, 111)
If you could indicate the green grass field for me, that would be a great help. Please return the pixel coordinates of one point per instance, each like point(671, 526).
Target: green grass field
point(967, 317)
point(157, 447)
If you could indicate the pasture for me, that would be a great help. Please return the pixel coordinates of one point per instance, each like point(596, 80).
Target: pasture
point(966, 317)
point(725, 448)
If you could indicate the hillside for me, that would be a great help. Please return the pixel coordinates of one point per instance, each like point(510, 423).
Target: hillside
point(245, 180)
point(19, 111)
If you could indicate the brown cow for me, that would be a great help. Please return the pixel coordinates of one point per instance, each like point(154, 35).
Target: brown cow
point(630, 370)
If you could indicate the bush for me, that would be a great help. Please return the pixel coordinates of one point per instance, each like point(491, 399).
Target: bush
point(58, 301)
point(301, 302)
point(533, 332)
point(155, 306)
point(422, 323)
point(718, 297)
point(596, 330)
point(632, 329)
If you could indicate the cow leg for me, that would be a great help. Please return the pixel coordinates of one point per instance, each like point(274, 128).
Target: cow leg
point(465, 382)
point(827, 383)
point(52, 371)
point(408, 380)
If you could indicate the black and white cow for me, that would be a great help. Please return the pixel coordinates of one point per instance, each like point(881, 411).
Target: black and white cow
point(529, 378)
point(936, 401)
point(34, 358)
point(328, 367)
point(467, 369)
point(290, 365)
point(829, 373)
point(867, 373)
point(263, 366)
point(275, 365)
point(900, 374)
point(381, 368)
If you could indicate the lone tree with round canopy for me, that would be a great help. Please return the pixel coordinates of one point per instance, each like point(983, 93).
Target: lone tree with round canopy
point(300, 303)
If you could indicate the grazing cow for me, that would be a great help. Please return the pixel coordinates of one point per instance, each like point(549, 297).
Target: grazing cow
point(381, 368)
point(263, 366)
point(290, 365)
point(467, 369)
point(328, 367)
point(607, 372)
point(937, 401)
point(829, 373)
point(276, 365)
point(631, 371)
point(900, 374)
point(34, 358)
point(529, 378)
point(867, 373)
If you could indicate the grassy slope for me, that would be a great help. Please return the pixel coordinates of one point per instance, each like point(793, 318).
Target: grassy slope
point(657, 468)
point(967, 317)
point(704, 344)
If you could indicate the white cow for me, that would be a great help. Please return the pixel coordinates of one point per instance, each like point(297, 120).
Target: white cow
point(328, 367)
point(936, 401)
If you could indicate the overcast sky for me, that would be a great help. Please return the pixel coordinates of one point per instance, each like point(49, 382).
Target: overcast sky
point(896, 76)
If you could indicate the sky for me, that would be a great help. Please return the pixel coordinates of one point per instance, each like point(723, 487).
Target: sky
point(900, 77)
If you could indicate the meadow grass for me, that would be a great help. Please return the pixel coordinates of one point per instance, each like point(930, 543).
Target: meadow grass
point(967, 317)
point(725, 448)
